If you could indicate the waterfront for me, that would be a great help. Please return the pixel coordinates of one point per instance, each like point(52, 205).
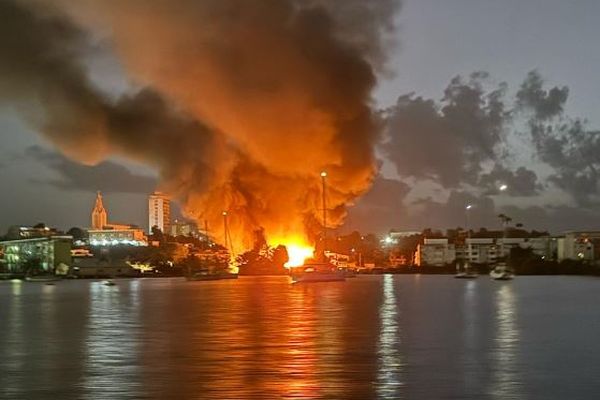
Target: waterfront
point(402, 336)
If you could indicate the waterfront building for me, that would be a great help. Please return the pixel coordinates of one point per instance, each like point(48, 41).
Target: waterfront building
point(435, 252)
point(124, 235)
point(16, 232)
point(479, 251)
point(580, 245)
point(99, 213)
point(159, 212)
point(42, 253)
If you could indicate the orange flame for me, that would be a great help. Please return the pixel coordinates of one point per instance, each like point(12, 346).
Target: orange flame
point(297, 248)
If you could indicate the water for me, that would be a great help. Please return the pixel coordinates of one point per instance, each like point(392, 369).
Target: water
point(372, 337)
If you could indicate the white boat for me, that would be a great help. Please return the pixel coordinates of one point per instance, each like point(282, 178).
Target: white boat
point(108, 282)
point(501, 272)
point(317, 272)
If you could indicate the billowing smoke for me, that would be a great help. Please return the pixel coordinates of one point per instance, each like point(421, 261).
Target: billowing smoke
point(566, 144)
point(450, 140)
point(243, 103)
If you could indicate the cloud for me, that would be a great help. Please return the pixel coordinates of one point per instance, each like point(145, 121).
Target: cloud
point(381, 208)
point(108, 176)
point(447, 141)
point(544, 104)
point(521, 182)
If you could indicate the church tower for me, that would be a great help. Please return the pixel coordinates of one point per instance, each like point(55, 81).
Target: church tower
point(99, 215)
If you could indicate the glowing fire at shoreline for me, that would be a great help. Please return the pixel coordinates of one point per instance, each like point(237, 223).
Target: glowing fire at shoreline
point(298, 254)
point(298, 251)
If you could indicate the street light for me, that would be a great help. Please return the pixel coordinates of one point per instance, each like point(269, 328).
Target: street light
point(468, 242)
point(324, 200)
point(503, 187)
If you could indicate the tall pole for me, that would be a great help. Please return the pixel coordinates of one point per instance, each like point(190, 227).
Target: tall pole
point(323, 176)
point(226, 231)
point(468, 241)
point(206, 231)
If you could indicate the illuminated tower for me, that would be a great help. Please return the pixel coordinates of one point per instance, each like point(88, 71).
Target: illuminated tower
point(99, 215)
point(159, 212)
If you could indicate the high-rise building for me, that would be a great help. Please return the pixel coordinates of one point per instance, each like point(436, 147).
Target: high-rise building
point(99, 214)
point(159, 212)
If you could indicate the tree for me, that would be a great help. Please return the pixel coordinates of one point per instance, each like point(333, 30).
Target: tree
point(78, 233)
point(157, 235)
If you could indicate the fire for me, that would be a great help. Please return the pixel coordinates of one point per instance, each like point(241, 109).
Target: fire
point(297, 254)
point(298, 250)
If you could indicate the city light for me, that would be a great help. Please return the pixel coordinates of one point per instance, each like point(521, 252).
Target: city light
point(503, 187)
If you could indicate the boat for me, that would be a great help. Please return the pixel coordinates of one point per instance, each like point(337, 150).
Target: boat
point(109, 282)
point(502, 272)
point(42, 278)
point(317, 272)
point(206, 275)
point(348, 272)
point(466, 272)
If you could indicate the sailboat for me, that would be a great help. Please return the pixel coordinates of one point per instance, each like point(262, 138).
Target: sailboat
point(215, 269)
point(466, 272)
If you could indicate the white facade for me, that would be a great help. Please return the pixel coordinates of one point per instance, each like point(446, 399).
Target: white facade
point(435, 252)
point(159, 212)
point(578, 245)
point(481, 250)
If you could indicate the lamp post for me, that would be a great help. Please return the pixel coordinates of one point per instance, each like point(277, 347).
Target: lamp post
point(468, 242)
point(324, 204)
point(228, 244)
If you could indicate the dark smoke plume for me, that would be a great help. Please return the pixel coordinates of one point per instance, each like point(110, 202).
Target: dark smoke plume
point(244, 102)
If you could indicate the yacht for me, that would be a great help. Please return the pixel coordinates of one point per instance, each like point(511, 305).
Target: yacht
point(206, 275)
point(317, 272)
point(502, 272)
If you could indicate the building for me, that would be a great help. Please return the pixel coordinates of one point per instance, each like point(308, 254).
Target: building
point(183, 228)
point(478, 251)
point(435, 252)
point(43, 253)
point(159, 212)
point(16, 232)
point(580, 245)
point(125, 235)
point(99, 214)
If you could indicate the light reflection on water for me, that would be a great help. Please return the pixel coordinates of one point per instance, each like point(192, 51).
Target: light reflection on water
point(505, 382)
point(389, 374)
point(373, 337)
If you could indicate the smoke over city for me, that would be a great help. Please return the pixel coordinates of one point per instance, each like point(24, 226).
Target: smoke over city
point(238, 105)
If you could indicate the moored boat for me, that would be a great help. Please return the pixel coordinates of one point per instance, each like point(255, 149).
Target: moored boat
point(211, 276)
point(466, 272)
point(317, 272)
point(502, 272)
point(42, 278)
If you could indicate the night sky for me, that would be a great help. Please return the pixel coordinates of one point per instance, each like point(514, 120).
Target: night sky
point(474, 94)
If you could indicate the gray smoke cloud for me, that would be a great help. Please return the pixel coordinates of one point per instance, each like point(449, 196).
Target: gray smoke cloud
point(107, 176)
point(447, 141)
point(520, 182)
point(566, 144)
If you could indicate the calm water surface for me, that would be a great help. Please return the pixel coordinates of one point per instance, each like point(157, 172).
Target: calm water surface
point(372, 337)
